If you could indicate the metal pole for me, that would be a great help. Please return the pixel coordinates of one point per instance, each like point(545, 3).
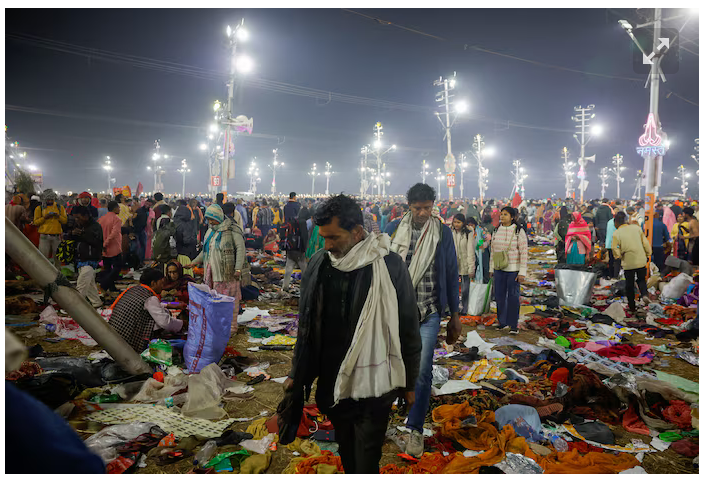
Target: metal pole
point(448, 133)
point(582, 161)
point(22, 251)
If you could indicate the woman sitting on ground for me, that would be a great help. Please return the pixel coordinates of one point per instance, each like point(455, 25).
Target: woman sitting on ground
point(271, 243)
point(177, 280)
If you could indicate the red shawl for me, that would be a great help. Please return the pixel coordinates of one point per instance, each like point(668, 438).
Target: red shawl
point(579, 229)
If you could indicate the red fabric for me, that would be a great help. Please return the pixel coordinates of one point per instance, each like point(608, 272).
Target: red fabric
point(583, 447)
point(311, 419)
point(670, 321)
point(685, 447)
point(84, 195)
point(516, 200)
point(559, 375)
point(633, 423)
point(679, 413)
point(620, 350)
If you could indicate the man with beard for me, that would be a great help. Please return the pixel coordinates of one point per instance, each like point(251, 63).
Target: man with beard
point(358, 333)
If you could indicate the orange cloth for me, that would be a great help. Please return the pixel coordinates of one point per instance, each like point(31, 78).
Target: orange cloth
point(308, 465)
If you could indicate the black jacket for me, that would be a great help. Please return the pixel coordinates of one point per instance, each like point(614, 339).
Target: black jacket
point(186, 231)
point(291, 211)
point(603, 216)
point(305, 362)
point(139, 223)
point(89, 243)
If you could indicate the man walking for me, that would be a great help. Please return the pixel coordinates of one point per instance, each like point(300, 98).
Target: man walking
point(427, 247)
point(50, 217)
point(112, 247)
point(291, 210)
point(603, 215)
point(88, 236)
point(294, 239)
point(358, 333)
point(660, 237)
point(631, 246)
point(265, 217)
point(139, 225)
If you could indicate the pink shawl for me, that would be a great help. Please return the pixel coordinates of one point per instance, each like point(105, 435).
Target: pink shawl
point(579, 229)
point(668, 218)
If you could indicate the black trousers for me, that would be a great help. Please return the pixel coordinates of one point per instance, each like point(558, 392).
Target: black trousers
point(613, 265)
point(112, 267)
point(630, 284)
point(658, 257)
point(601, 234)
point(360, 431)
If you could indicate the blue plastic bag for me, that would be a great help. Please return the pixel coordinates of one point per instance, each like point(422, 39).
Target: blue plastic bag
point(210, 318)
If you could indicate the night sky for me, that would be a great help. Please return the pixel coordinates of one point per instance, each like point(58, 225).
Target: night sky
point(91, 108)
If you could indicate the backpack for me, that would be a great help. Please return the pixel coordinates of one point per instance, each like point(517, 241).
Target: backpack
point(161, 244)
point(291, 238)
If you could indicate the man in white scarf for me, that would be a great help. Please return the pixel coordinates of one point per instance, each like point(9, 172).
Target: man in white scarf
point(358, 333)
point(426, 245)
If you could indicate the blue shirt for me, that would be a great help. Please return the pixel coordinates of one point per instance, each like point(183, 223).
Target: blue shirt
point(610, 230)
point(660, 233)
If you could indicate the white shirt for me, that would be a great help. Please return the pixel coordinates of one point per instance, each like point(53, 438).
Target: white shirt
point(162, 317)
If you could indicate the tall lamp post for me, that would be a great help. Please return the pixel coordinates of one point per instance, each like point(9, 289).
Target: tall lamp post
point(425, 170)
point(683, 175)
point(313, 174)
point(108, 167)
point(254, 173)
point(378, 151)
point(183, 170)
point(328, 174)
point(439, 178)
point(584, 135)
point(604, 180)
point(480, 152)
point(444, 98)
point(616, 170)
point(568, 173)
point(274, 166)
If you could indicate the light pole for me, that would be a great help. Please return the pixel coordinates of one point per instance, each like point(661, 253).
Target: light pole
point(158, 171)
point(444, 97)
point(313, 173)
point(108, 167)
point(183, 170)
point(683, 175)
point(364, 170)
point(439, 178)
point(519, 179)
point(696, 155)
point(480, 152)
point(274, 166)
point(379, 152)
point(618, 162)
point(638, 186)
point(604, 180)
point(583, 136)
point(425, 168)
point(254, 173)
point(328, 174)
point(568, 173)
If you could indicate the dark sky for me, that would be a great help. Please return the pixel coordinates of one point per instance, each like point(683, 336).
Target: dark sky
point(337, 51)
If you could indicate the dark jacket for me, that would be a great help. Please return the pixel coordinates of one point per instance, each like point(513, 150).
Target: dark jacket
point(602, 217)
point(306, 358)
point(660, 234)
point(139, 223)
point(186, 232)
point(446, 268)
point(89, 244)
point(291, 211)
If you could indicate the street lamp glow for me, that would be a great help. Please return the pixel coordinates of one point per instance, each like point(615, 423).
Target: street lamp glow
point(203, 146)
point(155, 156)
point(229, 31)
point(377, 144)
point(33, 168)
point(596, 130)
point(452, 83)
point(625, 24)
point(107, 167)
point(461, 107)
point(107, 157)
point(242, 34)
point(488, 152)
point(394, 147)
point(213, 127)
point(244, 64)
point(216, 106)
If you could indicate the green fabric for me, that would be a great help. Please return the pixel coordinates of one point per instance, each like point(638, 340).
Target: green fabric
point(563, 342)
point(260, 332)
point(316, 242)
point(674, 436)
point(222, 461)
point(679, 382)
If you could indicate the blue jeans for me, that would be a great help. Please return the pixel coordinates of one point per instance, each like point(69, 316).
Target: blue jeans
point(465, 287)
point(429, 330)
point(507, 298)
point(142, 242)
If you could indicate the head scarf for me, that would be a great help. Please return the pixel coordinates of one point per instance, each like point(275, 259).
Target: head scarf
point(48, 194)
point(179, 283)
point(84, 195)
point(215, 212)
point(578, 228)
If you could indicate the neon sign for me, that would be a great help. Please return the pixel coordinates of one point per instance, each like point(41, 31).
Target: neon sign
point(650, 142)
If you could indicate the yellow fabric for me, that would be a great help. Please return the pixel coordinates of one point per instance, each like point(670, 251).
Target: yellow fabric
point(258, 429)
point(305, 447)
point(257, 463)
point(631, 246)
point(124, 213)
point(675, 231)
point(50, 226)
point(526, 309)
point(184, 260)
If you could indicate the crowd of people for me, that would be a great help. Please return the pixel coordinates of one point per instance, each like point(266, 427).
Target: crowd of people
point(378, 277)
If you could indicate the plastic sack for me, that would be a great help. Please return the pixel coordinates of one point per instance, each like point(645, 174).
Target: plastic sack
point(479, 298)
point(507, 414)
point(210, 318)
point(516, 464)
point(153, 390)
point(104, 443)
point(159, 351)
point(205, 392)
point(677, 286)
point(439, 375)
point(258, 446)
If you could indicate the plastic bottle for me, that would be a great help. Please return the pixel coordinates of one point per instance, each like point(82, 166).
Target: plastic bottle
point(175, 400)
point(106, 398)
point(559, 443)
point(205, 454)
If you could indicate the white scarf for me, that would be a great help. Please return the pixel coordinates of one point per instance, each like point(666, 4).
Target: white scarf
point(424, 250)
point(373, 364)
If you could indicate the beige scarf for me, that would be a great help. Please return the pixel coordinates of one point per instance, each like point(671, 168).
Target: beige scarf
point(373, 364)
point(424, 250)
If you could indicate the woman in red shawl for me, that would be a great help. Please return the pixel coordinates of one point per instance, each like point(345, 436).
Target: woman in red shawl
point(578, 241)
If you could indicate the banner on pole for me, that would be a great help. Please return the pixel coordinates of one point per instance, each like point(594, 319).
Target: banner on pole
point(450, 180)
point(216, 181)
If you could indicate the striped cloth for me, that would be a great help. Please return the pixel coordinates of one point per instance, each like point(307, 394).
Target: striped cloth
point(505, 239)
